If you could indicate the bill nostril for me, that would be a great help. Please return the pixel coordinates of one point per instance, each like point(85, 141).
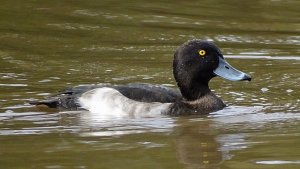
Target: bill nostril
point(226, 67)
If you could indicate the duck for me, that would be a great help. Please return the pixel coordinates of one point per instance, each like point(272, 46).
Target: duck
point(195, 63)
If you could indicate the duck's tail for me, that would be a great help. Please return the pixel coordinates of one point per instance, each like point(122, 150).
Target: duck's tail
point(53, 103)
point(61, 103)
point(65, 100)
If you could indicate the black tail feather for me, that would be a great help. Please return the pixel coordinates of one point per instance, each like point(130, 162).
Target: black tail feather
point(61, 103)
point(50, 103)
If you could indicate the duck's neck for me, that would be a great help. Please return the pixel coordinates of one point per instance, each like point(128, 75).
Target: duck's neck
point(194, 91)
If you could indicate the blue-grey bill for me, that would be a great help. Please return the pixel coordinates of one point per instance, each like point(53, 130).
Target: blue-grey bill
point(226, 71)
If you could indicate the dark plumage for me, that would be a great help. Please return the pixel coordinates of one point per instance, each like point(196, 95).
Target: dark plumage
point(195, 63)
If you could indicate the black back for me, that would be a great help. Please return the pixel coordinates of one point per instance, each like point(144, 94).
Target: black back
point(68, 98)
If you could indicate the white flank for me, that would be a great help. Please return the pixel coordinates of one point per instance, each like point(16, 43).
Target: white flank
point(108, 102)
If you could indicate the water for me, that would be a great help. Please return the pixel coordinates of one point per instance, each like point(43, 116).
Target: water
point(46, 46)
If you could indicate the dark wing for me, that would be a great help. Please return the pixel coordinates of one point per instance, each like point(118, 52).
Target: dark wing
point(68, 98)
point(149, 93)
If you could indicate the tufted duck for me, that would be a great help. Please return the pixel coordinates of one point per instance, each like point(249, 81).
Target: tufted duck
point(195, 63)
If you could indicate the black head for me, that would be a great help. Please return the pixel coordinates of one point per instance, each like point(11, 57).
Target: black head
point(195, 63)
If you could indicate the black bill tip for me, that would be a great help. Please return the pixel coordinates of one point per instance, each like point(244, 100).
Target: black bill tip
point(247, 77)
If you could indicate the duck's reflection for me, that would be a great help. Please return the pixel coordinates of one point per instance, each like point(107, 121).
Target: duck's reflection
point(196, 144)
point(199, 143)
point(207, 141)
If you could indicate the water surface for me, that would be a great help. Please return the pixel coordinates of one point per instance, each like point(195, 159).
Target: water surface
point(46, 46)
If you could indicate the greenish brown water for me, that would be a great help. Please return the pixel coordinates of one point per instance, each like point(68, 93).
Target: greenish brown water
point(46, 46)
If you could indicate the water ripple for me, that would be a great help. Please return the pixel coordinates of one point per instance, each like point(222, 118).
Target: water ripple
point(13, 85)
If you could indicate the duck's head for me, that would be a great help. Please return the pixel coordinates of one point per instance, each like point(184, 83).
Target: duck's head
point(196, 62)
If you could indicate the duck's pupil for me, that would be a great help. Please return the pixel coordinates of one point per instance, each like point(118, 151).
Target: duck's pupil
point(202, 52)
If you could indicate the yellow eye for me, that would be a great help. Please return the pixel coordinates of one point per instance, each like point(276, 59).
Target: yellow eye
point(202, 52)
